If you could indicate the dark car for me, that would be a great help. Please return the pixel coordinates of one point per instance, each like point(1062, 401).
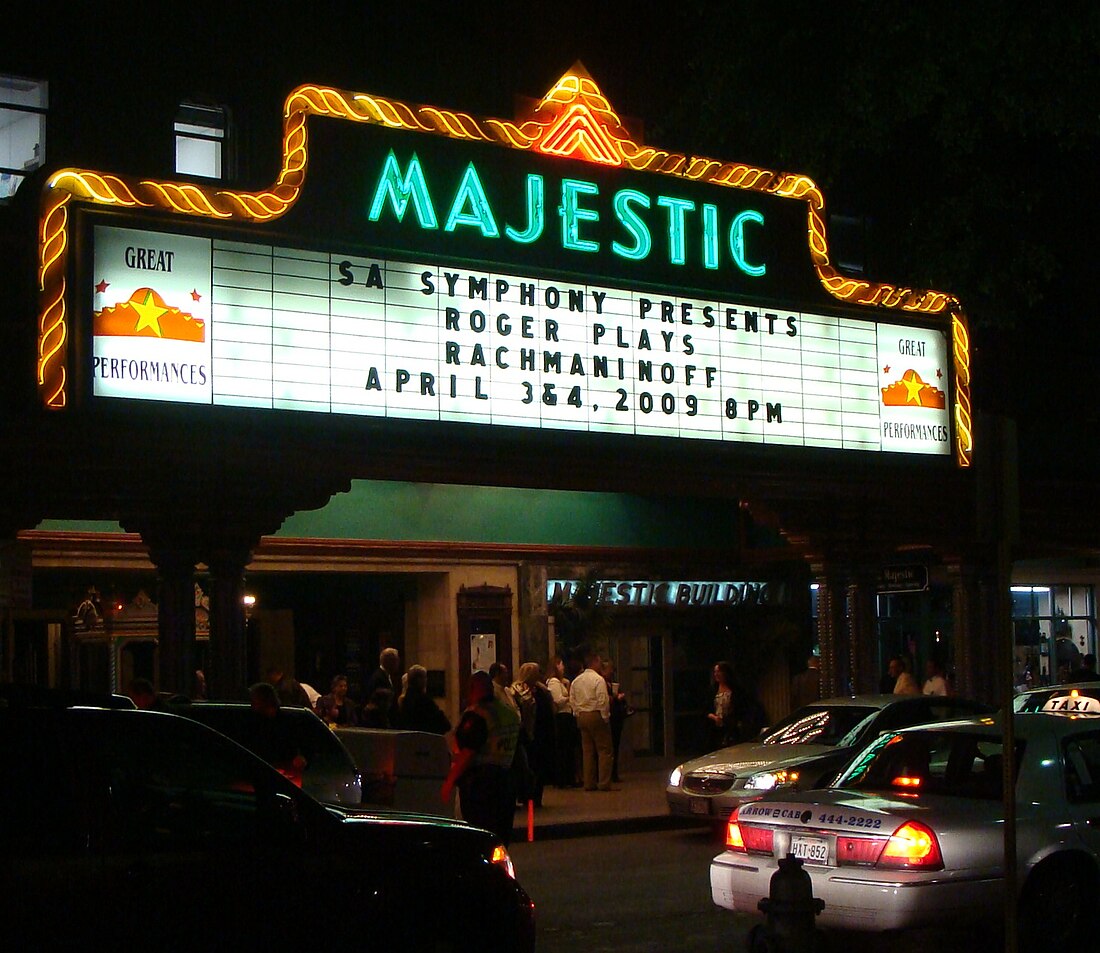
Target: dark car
point(330, 774)
point(132, 830)
point(806, 750)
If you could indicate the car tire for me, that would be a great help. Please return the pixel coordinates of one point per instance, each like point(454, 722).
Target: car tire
point(1056, 905)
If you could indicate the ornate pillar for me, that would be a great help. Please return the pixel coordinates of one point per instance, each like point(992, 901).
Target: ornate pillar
point(227, 678)
point(175, 619)
point(862, 633)
point(832, 635)
point(966, 650)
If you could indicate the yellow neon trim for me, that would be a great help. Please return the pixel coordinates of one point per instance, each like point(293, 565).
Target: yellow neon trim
point(575, 102)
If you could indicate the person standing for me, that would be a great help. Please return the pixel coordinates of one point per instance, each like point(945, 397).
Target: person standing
point(592, 709)
point(485, 740)
point(893, 669)
point(565, 726)
point(336, 708)
point(905, 684)
point(723, 724)
point(416, 709)
point(386, 676)
point(619, 711)
point(806, 685)
point(934, 683)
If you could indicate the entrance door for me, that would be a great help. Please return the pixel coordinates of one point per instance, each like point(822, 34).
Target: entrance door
point(484, 629)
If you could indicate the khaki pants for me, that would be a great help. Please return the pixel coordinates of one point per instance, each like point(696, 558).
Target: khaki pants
point(596, 749)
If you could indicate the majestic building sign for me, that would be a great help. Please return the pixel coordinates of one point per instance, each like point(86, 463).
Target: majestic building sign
point(573, 281)
point(664, 593)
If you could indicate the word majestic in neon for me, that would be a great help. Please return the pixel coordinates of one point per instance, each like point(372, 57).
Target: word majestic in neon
point(639, 217)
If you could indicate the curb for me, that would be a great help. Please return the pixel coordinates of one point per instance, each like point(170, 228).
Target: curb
point(603, 828)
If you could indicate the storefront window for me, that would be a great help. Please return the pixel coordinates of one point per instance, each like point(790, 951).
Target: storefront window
point(1054, 626)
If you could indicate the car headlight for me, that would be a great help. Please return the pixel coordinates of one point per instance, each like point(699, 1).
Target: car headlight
point(770, 780)
point(676, 776)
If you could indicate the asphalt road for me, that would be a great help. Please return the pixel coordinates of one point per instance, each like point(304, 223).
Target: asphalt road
point(630, 892)
point(642, 892)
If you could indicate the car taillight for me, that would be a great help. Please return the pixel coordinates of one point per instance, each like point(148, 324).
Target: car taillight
point(859, 850)
point(758, 840)
point(912, 845)
point(501, 859)
point(734, 840)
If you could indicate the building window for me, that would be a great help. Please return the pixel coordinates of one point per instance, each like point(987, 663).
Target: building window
point(1054, 626)
point(200, 140)
point(23, 104)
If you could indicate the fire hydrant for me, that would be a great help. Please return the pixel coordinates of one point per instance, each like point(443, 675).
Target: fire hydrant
point(790, 908)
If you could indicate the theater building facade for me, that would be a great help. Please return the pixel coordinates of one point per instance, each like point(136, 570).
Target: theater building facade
point(442, 374)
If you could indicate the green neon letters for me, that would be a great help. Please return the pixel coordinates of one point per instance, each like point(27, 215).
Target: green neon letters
point(693, 234)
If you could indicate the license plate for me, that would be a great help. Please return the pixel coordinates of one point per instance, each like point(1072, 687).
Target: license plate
point(813, 850)
point(700, 805)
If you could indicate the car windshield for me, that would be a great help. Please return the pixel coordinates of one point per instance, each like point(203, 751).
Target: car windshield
point(953, 763)
point(817, 725)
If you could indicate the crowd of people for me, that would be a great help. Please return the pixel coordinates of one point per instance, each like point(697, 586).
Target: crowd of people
point(516, 736)
point(392, 700)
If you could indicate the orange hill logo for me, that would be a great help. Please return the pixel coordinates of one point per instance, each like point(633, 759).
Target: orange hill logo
point(910, 390)
point(146, 314)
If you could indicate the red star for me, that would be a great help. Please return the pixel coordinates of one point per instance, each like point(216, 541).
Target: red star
point(939, 373)
point(195, 296)
point(886, 369)
point(102, 286)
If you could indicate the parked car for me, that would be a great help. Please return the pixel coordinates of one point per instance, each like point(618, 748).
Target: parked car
point(330, 774)
point(911, 836)
point(1078, 698)
point(806, 750)
point(401, 770)
point(145, 830)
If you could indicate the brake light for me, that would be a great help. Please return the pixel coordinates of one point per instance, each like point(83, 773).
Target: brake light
point(906, 782)
point(759, 840)
point(734, 840)
point(912, 845)
point(501, 859)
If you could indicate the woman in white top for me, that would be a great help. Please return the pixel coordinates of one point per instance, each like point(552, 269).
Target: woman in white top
point(722, 719)
point(566, 740)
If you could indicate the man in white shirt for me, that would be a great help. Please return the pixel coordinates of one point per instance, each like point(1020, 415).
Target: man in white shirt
point(592, 708)
point(935, 684)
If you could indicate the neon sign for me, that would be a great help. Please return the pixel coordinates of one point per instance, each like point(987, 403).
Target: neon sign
point(580, 214)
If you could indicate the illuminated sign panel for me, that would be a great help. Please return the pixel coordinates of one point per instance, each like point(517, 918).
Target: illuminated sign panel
point(665, 593)
point(230, 323)
point(549, 272)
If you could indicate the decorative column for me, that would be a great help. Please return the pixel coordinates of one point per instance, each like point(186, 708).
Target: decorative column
point(862, 633)
point(964, 598)
point(227, 678)
point(831, 631)
point(175, 619)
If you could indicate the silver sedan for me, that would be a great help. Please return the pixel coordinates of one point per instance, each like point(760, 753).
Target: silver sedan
point(912, 834)
point(806, 750)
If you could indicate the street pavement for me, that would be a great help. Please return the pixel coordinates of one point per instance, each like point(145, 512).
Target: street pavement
point(637, 803)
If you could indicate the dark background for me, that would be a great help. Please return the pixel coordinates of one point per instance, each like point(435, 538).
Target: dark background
point(956, 142)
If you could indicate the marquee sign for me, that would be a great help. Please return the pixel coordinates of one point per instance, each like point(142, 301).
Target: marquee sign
point(575, 280)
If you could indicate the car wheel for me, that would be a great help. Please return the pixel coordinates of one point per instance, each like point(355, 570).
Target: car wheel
point(1055, 906)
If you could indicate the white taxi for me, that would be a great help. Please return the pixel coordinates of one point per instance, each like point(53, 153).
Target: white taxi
point(911, 836)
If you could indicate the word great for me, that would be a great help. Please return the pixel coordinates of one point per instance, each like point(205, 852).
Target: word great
point(672, 227)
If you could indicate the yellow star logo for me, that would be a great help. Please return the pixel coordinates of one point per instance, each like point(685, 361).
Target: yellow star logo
point(148, 314)
point(913, 386)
